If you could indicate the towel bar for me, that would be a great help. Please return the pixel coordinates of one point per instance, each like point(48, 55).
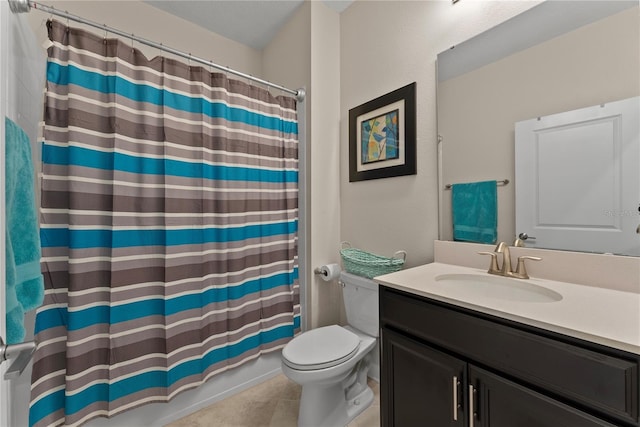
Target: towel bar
point(501, 182)
point(22, 353)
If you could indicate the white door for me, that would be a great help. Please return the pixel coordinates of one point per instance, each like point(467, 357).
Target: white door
point(578, 179)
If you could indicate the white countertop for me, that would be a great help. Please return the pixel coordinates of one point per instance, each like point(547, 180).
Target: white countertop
point(604, 316)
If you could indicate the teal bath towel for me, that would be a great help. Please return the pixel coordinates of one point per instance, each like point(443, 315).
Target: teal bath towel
point(25, 288)
point(475, 211)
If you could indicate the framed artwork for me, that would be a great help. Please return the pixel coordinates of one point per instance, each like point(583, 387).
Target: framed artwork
point(382, 136)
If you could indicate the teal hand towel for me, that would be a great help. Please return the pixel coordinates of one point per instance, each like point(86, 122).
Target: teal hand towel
point(475, 211)
point(25, 288)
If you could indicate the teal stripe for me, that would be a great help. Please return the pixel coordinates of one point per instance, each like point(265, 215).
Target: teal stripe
point(84, 239)
point(85, 157)
point(296, 322)
point(161, 307)
point(51, 318)
point(108, 84)
point(47, 405)
point(153, 379)
point(56, 316)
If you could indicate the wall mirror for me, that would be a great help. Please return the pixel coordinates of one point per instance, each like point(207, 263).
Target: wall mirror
point(556, 57)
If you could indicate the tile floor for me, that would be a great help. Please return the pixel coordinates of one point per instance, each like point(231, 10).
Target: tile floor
point(273, 403)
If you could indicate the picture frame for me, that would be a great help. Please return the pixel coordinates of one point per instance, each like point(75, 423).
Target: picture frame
point(382, 136)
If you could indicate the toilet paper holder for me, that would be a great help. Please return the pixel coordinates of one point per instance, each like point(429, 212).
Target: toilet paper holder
point(327, 272)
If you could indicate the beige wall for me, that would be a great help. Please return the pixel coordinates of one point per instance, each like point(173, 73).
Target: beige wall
point(305, 53)
point(594, 64)
point(325, 160)
point(386, 45)
point(154, 24)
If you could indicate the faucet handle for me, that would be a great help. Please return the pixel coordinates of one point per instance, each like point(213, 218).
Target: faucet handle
point(521, 271)
point(493, 267)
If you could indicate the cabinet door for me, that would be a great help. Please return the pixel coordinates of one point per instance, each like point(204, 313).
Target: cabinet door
point(497, 402)
point(420, 386)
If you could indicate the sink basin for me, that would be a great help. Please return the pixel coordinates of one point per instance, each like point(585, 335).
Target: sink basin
point(496, 287)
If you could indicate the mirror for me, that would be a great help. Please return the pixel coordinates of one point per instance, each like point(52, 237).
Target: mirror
point(555, 57)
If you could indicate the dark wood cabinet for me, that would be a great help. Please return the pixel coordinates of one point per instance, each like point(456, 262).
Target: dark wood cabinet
point(498, 402)
point(424, 387)
point(494, 372)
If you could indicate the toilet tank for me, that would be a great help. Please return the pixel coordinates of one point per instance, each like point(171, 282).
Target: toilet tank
point(361, 302)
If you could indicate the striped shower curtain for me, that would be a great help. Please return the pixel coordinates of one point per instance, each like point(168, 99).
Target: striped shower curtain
point(168, 224)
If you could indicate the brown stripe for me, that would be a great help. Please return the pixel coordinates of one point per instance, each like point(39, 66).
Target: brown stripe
point(98, 278)
point(142, 204)
point(194, 288)
point(244, 188)
point(168, 256)
point(148, 129)
point(117, 353)
point(160, 222)
point(100, 104)
point(113, 47)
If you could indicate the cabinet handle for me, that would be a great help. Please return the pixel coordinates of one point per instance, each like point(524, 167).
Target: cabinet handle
point(456, 384)
point(471, 405)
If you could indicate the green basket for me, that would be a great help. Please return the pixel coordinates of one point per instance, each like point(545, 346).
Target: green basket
point(369, 265)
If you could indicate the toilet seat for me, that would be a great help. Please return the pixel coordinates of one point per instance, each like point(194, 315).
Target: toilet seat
point(320, 348)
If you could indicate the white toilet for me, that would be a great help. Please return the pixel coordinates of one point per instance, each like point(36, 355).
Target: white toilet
point(331, 363)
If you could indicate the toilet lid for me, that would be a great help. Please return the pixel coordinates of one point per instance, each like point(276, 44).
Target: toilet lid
point(320, 348)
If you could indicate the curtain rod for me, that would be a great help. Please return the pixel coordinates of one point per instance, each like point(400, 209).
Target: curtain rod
point(22, 6)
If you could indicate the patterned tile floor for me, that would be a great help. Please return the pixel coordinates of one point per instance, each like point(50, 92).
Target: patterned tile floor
point(273, 403)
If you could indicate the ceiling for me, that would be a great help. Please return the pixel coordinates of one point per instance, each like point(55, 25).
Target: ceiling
point(250, 22)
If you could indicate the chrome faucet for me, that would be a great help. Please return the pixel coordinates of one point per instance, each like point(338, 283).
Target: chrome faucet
point(505, 269)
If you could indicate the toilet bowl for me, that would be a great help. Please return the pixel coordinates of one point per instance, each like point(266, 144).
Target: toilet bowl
point(331, 363)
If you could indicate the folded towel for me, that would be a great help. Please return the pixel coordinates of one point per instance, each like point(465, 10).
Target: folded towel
point(25, 289)
point(475, 212)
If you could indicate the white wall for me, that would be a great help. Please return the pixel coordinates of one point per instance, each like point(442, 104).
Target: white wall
point(386, 45)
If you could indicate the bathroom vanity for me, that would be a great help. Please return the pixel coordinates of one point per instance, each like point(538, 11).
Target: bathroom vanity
point(544, 355)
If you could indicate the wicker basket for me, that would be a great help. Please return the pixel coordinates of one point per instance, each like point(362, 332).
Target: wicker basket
point(369, 265)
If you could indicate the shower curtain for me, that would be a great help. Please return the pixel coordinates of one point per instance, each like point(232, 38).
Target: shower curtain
point(168, 224)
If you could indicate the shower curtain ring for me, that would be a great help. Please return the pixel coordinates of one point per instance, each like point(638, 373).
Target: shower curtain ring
point(133, 50)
